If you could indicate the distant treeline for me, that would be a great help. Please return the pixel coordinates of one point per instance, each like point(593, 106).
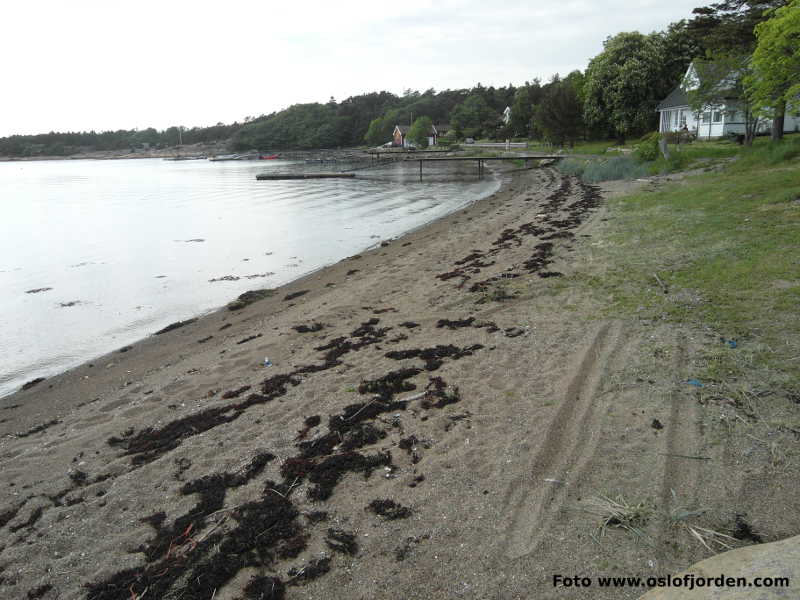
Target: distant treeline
point(64, 144)
point(364, 118)
point(615, 96)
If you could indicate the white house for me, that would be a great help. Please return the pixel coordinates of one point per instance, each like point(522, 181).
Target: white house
point(714, 121)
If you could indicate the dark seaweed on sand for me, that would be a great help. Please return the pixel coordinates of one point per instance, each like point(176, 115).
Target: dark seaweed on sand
point(248, 298)
point(175, 325)
point(28, 385)
point(389, 509)
point(342, 541)
point(294, 295)
point(309, 328)
point(265, 588)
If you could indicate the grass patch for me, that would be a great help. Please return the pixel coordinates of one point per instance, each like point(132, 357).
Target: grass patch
point(718, 252)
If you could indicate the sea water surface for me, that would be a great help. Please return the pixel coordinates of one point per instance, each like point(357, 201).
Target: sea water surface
point(122, 248)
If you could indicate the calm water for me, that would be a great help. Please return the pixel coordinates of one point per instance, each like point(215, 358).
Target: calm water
point(130, 246)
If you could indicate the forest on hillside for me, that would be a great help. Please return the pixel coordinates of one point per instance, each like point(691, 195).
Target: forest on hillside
point(614, 97)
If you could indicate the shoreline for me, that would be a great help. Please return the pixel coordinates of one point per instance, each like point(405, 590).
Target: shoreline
point(44, 378)
point(383, 368)
point(222, 313)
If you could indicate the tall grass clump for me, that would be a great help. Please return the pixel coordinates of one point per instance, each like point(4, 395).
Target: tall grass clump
point(768, 153)
point(592, 171)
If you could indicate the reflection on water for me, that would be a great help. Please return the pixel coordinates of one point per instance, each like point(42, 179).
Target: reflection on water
point(130, 246)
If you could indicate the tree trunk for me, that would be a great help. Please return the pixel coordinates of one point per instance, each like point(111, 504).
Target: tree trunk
point(777, 122)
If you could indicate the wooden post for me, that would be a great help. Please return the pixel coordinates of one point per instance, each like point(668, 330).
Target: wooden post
point(420, 170)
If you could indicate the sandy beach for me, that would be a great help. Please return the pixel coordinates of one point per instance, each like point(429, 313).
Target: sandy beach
point(432, 416)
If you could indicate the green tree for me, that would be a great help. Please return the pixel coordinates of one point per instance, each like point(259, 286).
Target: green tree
point(525, 99)
point(472, 118)
point(728, 26)
point(624, 84)
point(774, 79)
point(420, 130)
point(559, 115)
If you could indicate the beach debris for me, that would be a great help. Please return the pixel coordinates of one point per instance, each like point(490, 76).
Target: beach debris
point(70, 303)
point(31, 383)
point(250, 338)
point(695, 382)
point(248, 298)
point(235, 393)
point(389, 509)
point(267, 362)
point(294, 295)
point(742, 530)
point(342, 541)
point(195, 240)
point(265, 588)
point(456, 324)
point(205, 339)
point(39, 592)
point(309, 424)
point(38, 290)
point(314, 569)
point(729, 343)
point(656, 424)
point(175, 325)
point(309, 328)
point(38, 428)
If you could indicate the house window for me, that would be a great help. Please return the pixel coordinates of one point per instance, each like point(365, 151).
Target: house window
point(675, 119)
point(706, 117)
point(717, 116)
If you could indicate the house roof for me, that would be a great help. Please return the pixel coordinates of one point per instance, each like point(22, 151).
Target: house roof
point(442, 127)
point(677, 97)
point(403, 128)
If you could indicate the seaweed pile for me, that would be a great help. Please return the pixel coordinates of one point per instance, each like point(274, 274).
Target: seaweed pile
point(559, 218)
point(196, 556)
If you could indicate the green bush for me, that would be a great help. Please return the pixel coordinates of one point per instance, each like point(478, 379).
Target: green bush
point(647, 149)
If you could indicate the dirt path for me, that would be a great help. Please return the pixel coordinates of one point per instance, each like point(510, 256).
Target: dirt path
point(436, 414)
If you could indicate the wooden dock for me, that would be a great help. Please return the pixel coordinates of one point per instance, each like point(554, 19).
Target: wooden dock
point(282, 176)
point(480, 160)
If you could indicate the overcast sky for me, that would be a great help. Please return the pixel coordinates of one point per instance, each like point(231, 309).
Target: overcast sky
point(87, 64)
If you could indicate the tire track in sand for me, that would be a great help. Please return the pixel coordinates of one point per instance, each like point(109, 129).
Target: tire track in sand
point(568, 445)
point(680, 475)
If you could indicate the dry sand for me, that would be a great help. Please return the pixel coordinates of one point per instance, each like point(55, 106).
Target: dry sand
point(158, 473)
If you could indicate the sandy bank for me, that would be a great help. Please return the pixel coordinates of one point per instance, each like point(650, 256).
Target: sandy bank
point(434, 412)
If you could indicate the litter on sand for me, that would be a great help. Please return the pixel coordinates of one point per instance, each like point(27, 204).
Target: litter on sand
point(694, 382)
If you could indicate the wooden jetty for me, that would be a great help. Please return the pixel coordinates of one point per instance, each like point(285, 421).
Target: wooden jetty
point(280, 176)
point(480, 160)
